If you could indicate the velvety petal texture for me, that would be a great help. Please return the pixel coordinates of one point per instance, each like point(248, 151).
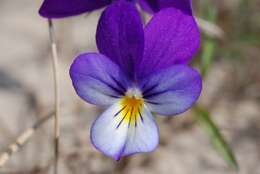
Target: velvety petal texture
point(171, 37)
point(152, 6)
point(66, 8)
point(173, 90)
point(114, 134)
point(97, 79)
point(120, 35)
point(139, 72)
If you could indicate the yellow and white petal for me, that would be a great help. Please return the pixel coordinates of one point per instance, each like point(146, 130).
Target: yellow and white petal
point(126, 128)
point(144, 137)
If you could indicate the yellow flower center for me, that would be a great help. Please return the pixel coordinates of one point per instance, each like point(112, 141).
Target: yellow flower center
point(132, 109)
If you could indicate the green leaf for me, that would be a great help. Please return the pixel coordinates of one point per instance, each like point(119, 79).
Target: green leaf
point(209, 44)
point(207, 55)
point(215, 136)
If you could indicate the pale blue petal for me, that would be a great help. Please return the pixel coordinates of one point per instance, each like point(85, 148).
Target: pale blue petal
point(173, 90)
point(97, 79)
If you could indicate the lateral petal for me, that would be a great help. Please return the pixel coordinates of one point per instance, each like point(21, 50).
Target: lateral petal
point(173, 90)
point(97, 79)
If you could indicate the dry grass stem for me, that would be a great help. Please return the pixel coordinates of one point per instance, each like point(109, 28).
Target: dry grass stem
point(21, 140)
point(56, 94)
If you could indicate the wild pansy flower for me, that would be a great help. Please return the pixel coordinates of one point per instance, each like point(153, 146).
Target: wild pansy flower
point(138, 72)
point(66, 8)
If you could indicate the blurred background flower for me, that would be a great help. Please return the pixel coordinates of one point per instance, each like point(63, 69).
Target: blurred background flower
point(67, 8)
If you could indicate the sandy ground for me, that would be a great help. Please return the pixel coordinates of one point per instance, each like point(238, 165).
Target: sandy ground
point(26, 93)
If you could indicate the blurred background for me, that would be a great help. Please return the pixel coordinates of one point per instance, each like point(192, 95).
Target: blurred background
point(229, 60)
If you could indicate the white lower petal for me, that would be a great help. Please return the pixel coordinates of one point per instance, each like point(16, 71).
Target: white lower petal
point(105, 135)
point(121, 131)
point(144, 137)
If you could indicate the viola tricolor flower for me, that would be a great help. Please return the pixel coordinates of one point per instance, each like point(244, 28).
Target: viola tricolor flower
point(138, 73)
point(66, 8)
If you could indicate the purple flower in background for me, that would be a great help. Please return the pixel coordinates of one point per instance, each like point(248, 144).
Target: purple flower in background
point(66, 8)
point(137, 72)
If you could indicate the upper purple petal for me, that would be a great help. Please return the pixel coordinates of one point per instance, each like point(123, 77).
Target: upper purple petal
point(173, 90)
point(152, 6)
point(97, 79)
point(171, 37)
point(66, 8)
point(120, 35)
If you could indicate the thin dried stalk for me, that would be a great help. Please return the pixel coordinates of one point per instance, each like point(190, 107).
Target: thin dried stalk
point(57, 95)
point(22, 140)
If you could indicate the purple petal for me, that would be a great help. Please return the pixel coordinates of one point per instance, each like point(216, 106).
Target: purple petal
point(66, 8)
point(97, 79)
point(173, 90)
point(120, 35)
point(116, 138)
point(171, 37)
point(152, 6)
